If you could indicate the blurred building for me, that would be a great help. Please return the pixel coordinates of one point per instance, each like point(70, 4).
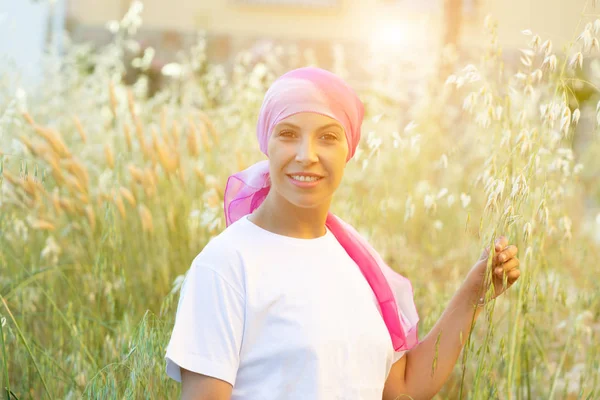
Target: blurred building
point(398, 28)
point(344, 20)
point(402, 37)
point(383, 30)
point(26, 29)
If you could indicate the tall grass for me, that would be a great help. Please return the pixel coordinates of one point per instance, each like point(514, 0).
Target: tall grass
point(108, 194)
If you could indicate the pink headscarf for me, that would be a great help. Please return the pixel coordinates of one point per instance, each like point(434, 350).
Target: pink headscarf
point(319, 91)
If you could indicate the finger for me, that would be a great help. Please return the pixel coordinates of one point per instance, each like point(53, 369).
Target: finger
point(501, 243)
point(510, 265)
point(507, 253)
point(513, 276)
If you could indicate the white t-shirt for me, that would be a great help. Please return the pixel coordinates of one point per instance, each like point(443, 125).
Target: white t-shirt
point(280, 318)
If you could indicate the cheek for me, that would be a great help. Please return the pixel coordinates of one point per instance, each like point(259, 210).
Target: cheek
point(337, 163)
point(342, 157)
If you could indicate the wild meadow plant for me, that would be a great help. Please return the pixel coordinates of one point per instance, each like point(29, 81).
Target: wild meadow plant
point(108, 194)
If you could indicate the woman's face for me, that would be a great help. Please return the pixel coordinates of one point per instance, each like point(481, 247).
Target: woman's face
point(307, 144)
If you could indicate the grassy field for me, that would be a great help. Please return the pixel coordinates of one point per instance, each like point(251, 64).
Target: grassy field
point(108, 194)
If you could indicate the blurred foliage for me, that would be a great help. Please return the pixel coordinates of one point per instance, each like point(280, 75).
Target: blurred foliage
point(111, 187)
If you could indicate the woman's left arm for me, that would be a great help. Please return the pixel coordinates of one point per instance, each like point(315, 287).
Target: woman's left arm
point(425, 368)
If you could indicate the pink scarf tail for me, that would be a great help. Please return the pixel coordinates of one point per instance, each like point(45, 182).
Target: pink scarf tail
point(245, 191)
point(393, 292)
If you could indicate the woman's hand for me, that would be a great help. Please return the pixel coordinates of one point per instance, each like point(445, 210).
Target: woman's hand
point(505, 265)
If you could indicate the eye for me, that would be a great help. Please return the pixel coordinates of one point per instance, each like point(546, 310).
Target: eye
point(286, 133)
point(330, 136)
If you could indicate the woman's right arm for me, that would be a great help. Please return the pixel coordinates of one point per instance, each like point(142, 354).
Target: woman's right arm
point(205, 346)
point(202, 387)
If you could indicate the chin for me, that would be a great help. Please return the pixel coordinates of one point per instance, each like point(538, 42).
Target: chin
point(309, 199)
point(306, 201)
point(307, 204)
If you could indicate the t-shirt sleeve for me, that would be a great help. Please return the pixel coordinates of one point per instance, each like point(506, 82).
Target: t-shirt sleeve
point(208, 330)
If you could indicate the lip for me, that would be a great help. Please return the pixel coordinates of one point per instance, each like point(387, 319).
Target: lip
point(305, 184)
point(305, 174)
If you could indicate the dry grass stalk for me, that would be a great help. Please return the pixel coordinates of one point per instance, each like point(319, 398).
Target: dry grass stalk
point(83, 198)
point(43, 151)
point(131, 103)
point(204, 135)
point(54, 139)
point(11, 178)
point(168, 162)
point(56, 201)
point(218, 190)
point(154, 173)
point(76, 168)
point(48, 155)
point(171, 219)
point(101, 198)
point(67, 205)
point(133, 189)
point(152, 146)
point(113, 99)
point(241, 165)
point(79, 210)
point(28, 145)
point(200, 174)
point(29, 118)
point(175, 134)
point(32, 187)
point(213, 200)
point(128, 195)
point(38, 149)
point(210, 126)
point(127, 132)
point(153, 158)
point(192, 140)
point(163, 121)
point(181, 175)
point(91, 217)
point(19, 199)
point(74, 185)
point(110, 158)
point(146, 218)
point(79, 128)
point(57, 173)
point(136, 173)
point(149, 183)
point(42, 225)
point(154, 139)
point(119, 203)
point(139, 132)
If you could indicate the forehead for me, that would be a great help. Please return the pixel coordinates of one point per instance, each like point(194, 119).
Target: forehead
point(309, 120)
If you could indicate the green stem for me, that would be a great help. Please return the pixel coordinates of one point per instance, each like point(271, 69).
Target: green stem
point(22, 337)
point(5, 361)
point(560, 365)
point(71, 327)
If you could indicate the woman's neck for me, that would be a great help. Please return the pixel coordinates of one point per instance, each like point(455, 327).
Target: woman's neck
point(279, 216)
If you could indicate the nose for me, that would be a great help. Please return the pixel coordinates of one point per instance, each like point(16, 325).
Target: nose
point(306, 152)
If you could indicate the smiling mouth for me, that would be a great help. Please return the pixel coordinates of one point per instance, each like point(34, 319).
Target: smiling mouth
point(301, 178)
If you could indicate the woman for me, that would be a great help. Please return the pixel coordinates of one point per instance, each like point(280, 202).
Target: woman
point(289, 302)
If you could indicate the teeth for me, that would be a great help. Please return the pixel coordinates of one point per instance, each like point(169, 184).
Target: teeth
point(305, 178)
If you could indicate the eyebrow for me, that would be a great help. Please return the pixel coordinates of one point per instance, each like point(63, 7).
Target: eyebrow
point(332, 125)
